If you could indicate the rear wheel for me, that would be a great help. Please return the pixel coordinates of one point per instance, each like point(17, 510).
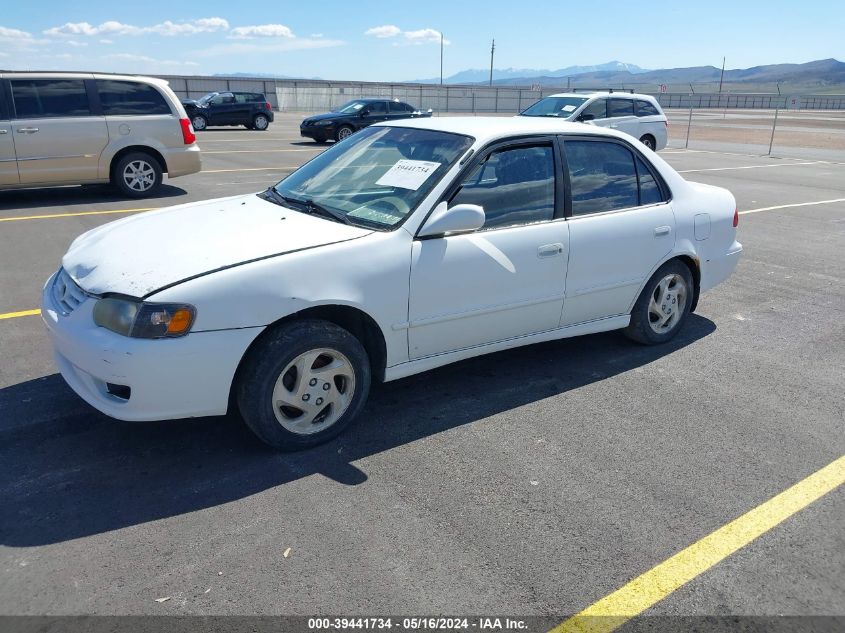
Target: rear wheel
point(199, 122)
point(648, 141)
point(663, 305)
point(260, 122)
point(137, 175)
point(304, 384)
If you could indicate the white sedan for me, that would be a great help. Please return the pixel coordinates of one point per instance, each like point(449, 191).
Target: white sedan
point(405, 247)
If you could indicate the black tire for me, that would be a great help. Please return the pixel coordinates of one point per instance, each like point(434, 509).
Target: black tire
point(644, 326)
point(260, 122)
point(649, 142)
point(199, 122)
point(264, 366)
point(142, 163)
point(343, 132)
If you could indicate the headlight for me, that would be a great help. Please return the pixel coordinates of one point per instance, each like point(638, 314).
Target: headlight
point(139, 319)
point(324, 122)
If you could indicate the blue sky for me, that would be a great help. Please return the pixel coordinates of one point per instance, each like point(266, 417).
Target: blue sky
point(357, 39)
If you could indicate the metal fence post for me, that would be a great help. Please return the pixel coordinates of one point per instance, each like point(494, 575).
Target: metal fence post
point(689, 124)
point(473, 101)
point(496, 106)
point(774, 125)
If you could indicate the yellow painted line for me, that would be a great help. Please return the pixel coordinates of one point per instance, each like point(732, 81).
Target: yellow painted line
point(23, 313)
point(642, 592)
point(70, 215)
point(791, 206)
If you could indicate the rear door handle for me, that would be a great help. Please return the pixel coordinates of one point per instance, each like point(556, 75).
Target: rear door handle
point(662, 230)
point(27, 130)
point(550, 250)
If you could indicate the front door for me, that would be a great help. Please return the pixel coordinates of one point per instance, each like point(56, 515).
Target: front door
point(622, 226)
point(508, 278)
point(57, 136)
point(8, 162)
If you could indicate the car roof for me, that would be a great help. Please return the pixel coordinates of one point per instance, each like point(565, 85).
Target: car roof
point(53, 74)
point(489, 128)
point(590, 95)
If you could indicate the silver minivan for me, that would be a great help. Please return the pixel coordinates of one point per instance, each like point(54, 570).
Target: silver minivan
point(59, 128)
point(635, 114)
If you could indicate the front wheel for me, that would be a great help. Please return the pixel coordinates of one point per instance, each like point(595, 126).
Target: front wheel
point(260, 122)
point(304, 384)
point(663, 305)
point(343, 132)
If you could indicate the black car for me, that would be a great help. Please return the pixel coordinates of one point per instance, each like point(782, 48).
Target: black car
point(352, 116)
point(250, 109)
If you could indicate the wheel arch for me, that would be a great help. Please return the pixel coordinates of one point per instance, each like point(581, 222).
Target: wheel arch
point(144, 149)
point(691, 261)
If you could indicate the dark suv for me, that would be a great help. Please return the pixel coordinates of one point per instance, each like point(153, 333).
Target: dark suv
point(250, 109)
point(354, 115)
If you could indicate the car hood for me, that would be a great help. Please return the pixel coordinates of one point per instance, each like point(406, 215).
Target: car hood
point(326, 116)
point(138, 255)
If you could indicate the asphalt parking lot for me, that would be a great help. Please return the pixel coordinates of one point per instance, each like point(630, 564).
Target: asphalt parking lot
point(530, 482)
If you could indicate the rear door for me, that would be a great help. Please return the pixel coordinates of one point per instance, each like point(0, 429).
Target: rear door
point(244, 107)
point(397, 110)
point(8, 162)
point(621, 115)
point(220, 109)
point(375, 111)
point(58, 135)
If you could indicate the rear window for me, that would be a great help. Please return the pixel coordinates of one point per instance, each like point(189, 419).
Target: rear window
point(248, 97)
point(620, 107)
point(34, 98)
point(129, 97)
point(644, 108)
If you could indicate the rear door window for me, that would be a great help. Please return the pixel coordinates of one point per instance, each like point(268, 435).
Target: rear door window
point(644, 108)
point(620, 107)
point(130, 98)
point(650, 192)
point(602, 177)
point(42, 98)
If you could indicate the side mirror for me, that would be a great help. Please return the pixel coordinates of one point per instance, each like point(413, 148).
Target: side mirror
point(586, 117)
point(456, 219)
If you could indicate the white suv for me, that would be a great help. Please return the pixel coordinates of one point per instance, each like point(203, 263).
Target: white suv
point(61, 128)
point(637, 115)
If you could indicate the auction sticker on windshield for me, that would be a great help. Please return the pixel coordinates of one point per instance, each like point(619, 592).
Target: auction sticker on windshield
point(408, 174)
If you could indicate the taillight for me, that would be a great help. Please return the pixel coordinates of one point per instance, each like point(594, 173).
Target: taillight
point(187, 132)
point(267, 106)
point(736, 217)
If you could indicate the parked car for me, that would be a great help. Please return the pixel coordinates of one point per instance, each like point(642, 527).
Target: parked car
point(61, 128)
point(411, 245)
point(638, 115)
point(355, 115)
point(250, 109)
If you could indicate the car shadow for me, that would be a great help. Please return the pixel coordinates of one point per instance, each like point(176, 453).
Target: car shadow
point(312, 143)
point(77, 195)
point(66, 471)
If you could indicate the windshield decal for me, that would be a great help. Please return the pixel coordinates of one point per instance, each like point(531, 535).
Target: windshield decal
point(408, 174)
point(568, 108)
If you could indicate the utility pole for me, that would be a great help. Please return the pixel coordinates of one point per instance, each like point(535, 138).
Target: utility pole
point(441, 58)
point(492, 48)
point(722, 76)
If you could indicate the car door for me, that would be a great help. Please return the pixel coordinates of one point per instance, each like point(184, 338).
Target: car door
point(594, 112)
point(243, 107)
point(58, 136)
point(508, 278)
point(621, 226)
point(621, 114)
point(8, 161)
point(220, 109)
point(374, 112)
point(397, 110)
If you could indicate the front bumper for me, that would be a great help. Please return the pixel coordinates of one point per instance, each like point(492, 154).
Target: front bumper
point(168, 378)
point(317, 132)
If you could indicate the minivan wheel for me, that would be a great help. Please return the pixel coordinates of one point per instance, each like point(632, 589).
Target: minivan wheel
point(303, 384)
point(199, 122)
point(137, 175)
point(260, 122)
point(663, 305)
point(649, 142)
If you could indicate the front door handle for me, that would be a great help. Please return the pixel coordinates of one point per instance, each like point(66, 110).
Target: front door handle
point(662, 230)
point(27, 130)
point(550, 250)
point(4, 131)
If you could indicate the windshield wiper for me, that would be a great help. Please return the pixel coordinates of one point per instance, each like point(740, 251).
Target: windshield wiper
point(271, 195)
point(307, 204)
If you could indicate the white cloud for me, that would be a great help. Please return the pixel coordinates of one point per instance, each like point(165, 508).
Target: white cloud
point(106, 42)
point(388, 30)
point(167, 28)
point(420, 36)
point(75, 43)
point(14, 34)
point(260, 30)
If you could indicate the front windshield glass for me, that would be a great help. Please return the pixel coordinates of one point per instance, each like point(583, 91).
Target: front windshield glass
point(376, 177)
point(562, 107)
point(204, 100)
point(351, 107)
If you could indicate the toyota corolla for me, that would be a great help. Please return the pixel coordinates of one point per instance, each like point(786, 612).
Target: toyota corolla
point(407, 246)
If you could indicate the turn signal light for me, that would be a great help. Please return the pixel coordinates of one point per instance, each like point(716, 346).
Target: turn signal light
point(188, 135)
point(736, 217)
point(180, 322)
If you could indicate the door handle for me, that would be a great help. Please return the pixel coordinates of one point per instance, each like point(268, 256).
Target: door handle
point(27, 130)
point(4, 131)
point(550, 250)
point(662, 230)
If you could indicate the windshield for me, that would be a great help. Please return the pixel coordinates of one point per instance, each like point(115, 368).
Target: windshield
point(351, 107)
point(204, 100)
point(377, 176)
point(555, 106)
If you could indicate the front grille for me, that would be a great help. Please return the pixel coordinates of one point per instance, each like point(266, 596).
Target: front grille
point(66, 294)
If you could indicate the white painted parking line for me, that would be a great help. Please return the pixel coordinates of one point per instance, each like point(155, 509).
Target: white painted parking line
point(689, 171)
point(225, 171)
point(791, 206)
point(260, 151)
